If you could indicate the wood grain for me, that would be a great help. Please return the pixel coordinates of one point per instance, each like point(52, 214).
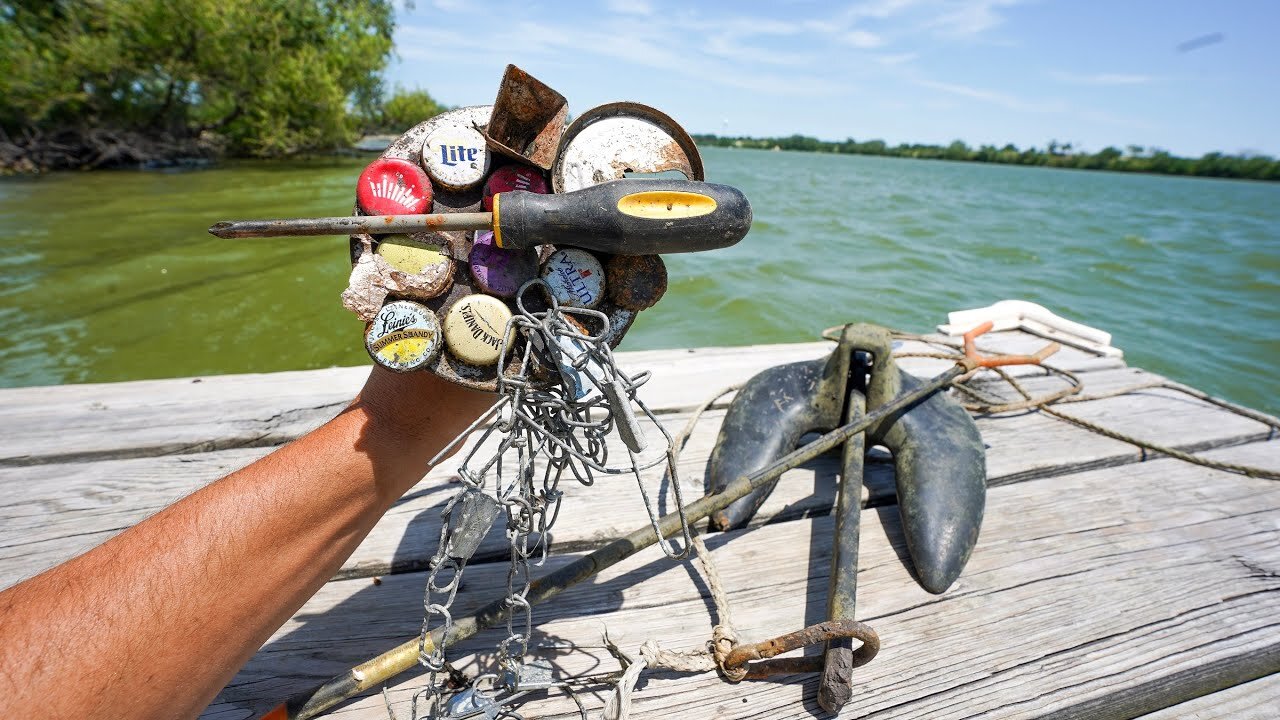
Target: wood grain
point(1085, 591)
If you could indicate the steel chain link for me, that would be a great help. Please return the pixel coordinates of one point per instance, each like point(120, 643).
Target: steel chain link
point(568, 429)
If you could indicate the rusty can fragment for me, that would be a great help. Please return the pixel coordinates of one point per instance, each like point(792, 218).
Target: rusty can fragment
point(528, 119)
point(636, 282)
point(607, 142)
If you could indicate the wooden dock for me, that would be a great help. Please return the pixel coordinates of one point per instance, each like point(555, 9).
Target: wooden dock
point(1107, 582)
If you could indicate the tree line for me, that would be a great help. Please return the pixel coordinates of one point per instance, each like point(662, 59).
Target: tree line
point(124, 82)
point(1133, 158)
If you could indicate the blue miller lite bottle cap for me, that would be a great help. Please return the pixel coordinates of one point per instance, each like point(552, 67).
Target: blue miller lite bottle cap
point(575, 276)
point(455, 156)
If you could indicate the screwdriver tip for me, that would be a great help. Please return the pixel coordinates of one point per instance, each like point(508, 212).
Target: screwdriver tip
point(221, 229)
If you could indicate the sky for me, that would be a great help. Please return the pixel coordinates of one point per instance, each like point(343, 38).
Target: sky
point(1186, 76)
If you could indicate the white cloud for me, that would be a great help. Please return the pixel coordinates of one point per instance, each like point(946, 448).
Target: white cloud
point(896, 59)
point(862, 39)
point(967, 18)
point(631, 7)
point(1102, 79)
point(1004, 100)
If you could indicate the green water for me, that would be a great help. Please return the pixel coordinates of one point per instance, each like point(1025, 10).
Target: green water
point(110, 276)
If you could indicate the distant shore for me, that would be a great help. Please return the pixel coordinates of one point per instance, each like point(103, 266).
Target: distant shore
point(1135, 159)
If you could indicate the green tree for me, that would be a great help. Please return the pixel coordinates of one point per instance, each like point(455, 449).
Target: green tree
point(405, 109)
point(269, 78)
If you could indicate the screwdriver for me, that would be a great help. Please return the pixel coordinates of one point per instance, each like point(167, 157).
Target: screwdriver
point(623, 217)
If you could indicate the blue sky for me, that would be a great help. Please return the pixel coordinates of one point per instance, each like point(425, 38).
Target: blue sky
point(1089, 72)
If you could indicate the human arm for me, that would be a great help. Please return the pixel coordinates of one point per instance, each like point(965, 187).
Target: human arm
point(155, 621)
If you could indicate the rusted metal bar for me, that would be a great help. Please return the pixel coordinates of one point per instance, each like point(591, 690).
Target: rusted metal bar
point(367, 675)
point(351, 224)
point(836, 686)
point(757, 654)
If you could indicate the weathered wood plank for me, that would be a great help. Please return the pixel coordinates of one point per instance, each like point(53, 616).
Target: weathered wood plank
point(76, 423)
point(1257, 700)
point(1084, 590)
point(51, 512)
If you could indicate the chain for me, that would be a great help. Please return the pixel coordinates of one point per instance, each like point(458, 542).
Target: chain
point(564, 397)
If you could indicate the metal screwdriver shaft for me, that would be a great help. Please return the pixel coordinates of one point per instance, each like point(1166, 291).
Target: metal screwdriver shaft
point(377, 224)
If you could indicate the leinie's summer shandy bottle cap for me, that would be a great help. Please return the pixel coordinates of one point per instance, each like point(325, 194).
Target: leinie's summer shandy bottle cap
point(393, 187)
point(473, 329)
point(455, 156)
point(410, 256)
point(501, 272)
point(575, 277)
point(513, 177)
point(403, 336)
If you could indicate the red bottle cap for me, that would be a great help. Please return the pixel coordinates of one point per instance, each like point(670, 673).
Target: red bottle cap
point(393, 187)
point(513, 177)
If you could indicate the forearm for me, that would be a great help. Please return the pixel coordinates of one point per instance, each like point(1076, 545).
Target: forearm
point(153, 622)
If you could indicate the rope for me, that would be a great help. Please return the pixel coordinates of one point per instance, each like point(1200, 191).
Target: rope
point(723, 634)
point(991, 404)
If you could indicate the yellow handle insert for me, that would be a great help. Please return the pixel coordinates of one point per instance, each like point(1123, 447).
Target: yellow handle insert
point(666, 205)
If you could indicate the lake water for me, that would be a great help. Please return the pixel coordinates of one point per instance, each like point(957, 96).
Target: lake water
point(111, 276)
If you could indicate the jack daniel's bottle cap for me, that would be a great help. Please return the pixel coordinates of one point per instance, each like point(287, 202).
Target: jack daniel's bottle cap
point(404, 336)
point(473, 329)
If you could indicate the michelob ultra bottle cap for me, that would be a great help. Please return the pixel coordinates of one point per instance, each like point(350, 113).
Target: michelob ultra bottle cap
point(513, 177)
point(575, 277)
point(455, 156)
point(501, 272)
point(403, 336)
point(393, 187)
point(410, 256)
point(473, 329)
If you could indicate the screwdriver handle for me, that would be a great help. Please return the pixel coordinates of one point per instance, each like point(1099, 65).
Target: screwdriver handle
point(625, 217)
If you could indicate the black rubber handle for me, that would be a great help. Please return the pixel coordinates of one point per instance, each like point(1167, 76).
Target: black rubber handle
point(626, 217)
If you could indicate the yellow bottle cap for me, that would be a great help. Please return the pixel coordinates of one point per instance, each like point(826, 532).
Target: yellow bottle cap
point(403, 336)
point(473, 329)
point(410, 256)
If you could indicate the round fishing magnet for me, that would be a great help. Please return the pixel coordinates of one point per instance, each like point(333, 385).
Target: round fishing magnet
point(473, 329)
point(403, 336)
point(393, 187)
point(575, 277)
point(409, 256)
point(501, 272)
point(455, 156)
point(636, 282)
point(513, 177)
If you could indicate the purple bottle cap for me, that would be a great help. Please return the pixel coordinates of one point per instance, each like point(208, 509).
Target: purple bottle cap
point(501, 272)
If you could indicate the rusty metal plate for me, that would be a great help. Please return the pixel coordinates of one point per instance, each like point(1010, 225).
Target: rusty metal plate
point(528, 119)
point(457, 245)
point(607, 142)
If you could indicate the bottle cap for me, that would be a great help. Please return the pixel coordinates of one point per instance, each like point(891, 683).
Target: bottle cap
point(403, 336)
point(473, 329)
point(410, 256)
point(636, 282)
point(513, 177)
point(455, 156)
point(501, 272)
point(575, 277)
point(393, 187)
